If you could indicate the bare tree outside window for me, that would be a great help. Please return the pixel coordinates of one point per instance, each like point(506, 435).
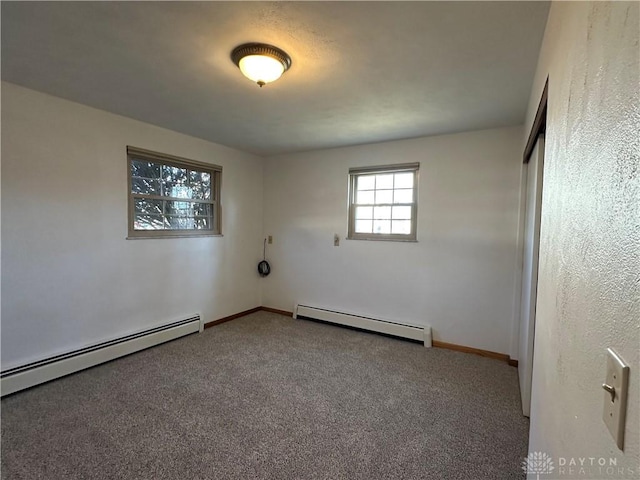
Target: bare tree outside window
point(171, 196)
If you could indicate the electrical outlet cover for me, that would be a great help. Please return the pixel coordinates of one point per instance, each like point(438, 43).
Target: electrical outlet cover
point(615, 405)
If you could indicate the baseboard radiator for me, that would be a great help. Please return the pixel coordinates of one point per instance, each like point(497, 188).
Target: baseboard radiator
point(19, 378)
point(413, 332)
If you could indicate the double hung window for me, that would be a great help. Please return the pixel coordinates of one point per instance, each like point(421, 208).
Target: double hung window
point(171, 196)
point(383, 202)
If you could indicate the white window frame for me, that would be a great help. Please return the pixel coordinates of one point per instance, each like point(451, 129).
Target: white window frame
point(355, 174)
point(215, 172)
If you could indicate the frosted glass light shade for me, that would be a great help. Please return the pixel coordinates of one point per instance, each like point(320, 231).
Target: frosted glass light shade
point(260, 62)
point(261, 68)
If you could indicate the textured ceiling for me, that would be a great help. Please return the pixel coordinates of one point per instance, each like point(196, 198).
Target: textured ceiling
point(362, 71)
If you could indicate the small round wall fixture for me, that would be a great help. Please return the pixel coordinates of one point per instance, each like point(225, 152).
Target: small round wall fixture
point(261, 63)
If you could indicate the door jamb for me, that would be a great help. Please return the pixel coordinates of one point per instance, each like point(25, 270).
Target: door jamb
point(538, 127)
point(539, 123)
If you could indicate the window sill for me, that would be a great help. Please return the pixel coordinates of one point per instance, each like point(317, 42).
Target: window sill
point(167, 237)
point(403, 240)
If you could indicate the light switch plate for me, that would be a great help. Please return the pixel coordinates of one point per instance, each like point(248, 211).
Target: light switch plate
point(615, 401)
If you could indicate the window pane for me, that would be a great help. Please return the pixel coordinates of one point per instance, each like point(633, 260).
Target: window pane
point(382, 226)
point(153, 207)
point(403, 196)
point(198, 192)
point(141, 168)
point(400, 213)
point(174, 174)
point(203, 223)
point(177, 190)
point(384, 181)
point(179, 209)
point(174, 182)
point(401, 227)
point(404, 180)
point(181, 223)
point(364, 226)
point(364, 197)
point(148, 222)
point(366, 182)
point(145, 186)
point(206, 185)
point(384, 196)
point(200, 184)
point(199, 177)
point(201, 209)
point(364, 212)
point(382, 213)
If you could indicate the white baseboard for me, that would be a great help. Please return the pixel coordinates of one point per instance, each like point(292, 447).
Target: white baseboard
point(19, 378)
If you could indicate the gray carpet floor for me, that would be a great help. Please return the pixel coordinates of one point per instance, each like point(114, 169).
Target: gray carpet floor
point(266, 396)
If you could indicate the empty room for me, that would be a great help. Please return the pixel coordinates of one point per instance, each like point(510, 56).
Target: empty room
point(320, 240)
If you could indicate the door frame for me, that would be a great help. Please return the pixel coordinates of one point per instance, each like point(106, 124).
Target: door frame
point(539, 123)
point(538, 128)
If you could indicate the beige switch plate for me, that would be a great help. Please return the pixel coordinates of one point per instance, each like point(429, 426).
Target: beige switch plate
point(615, 404)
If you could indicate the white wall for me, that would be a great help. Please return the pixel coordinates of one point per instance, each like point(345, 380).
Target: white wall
point(458, 278)
point(588, 287)
point(69, 276)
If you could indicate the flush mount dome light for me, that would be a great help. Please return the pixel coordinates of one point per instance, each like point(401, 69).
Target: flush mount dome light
point(260, 62)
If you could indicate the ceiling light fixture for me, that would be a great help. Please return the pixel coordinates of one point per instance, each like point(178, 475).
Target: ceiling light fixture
point(260, 62)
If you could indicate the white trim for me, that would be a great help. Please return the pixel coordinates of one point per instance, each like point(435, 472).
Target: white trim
point(404, 330)
point(45, 371)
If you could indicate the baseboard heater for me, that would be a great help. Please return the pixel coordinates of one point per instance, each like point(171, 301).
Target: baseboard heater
point(404, 330)
point(19, 378)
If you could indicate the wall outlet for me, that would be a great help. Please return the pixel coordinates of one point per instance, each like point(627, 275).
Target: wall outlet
point(336, 240)
point(269, 239)
point(615, 396)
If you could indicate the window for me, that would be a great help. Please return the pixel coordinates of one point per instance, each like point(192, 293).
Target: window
point(171, 196)
point(383, 202)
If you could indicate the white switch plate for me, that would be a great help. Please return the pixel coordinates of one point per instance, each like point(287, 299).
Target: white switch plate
point(615, 405)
